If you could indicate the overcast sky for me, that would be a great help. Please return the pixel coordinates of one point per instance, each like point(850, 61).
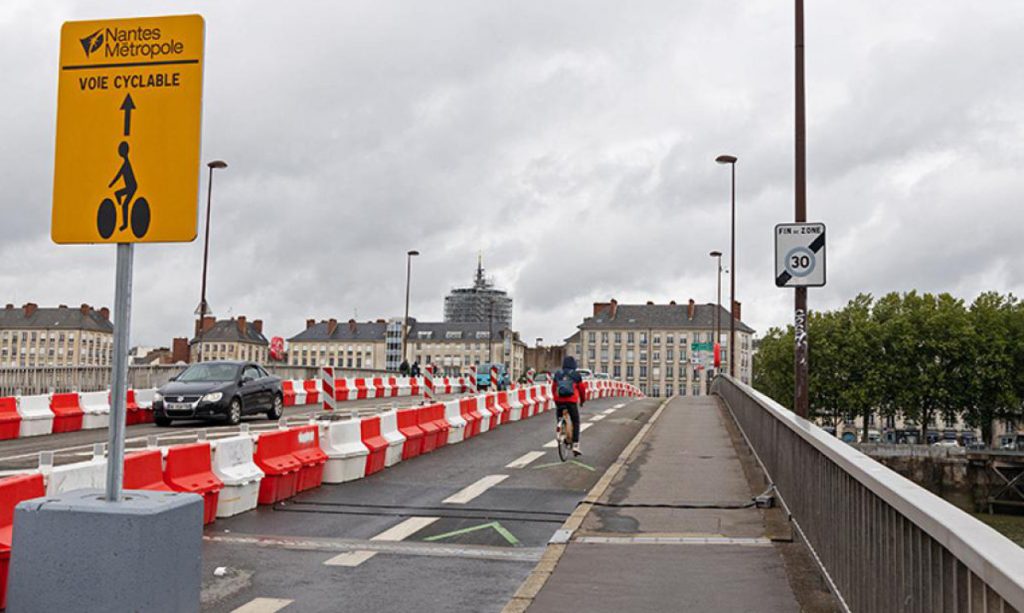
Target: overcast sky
point(572, 142)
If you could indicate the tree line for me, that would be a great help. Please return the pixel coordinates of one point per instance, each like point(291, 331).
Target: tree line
point(918, 356)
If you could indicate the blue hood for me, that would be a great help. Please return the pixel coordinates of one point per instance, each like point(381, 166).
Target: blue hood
point(568, 363)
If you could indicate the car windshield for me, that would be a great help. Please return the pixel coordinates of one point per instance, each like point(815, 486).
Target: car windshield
point(209, 372)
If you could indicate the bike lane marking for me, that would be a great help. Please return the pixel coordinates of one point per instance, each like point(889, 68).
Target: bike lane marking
point(398, 532)
point(525, 459)
point(263, 605)
point(597, 417)
point(472, 491)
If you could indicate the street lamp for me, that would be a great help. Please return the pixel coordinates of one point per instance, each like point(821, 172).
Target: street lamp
point(718, 311)
point(405, 320)
point(203, 307)
point(731, 161)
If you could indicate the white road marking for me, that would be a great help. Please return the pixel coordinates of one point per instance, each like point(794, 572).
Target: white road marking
point(263, 605)
point(350, 558)
point(405, 529)
point(597, 418)
point(618, 406)
point(472, 491)
point(583, 427)
point(609, 411)
point(398, 532)
point(551, 444)
point(525, 459)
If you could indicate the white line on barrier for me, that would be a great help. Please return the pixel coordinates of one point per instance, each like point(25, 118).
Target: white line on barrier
point(525, 459)
point(398, 532)
point(472, 491)
point(263, 605)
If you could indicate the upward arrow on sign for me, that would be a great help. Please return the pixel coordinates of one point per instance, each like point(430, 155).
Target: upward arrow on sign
point(127, 106)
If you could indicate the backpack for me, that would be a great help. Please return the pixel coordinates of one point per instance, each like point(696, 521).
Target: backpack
point(566, 384)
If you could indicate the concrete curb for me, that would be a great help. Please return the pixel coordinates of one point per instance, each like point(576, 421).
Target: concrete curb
point(540, 574)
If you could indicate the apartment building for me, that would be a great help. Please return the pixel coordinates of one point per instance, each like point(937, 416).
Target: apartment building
point(33, 337)
point(660, 348)
point(345, 345)
point(453, 347)
point(229, 339)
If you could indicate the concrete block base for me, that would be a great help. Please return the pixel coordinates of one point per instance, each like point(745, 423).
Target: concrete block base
point(77, 552)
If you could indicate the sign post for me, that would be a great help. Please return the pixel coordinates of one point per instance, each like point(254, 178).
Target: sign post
point(129, 102)
point(129, 106)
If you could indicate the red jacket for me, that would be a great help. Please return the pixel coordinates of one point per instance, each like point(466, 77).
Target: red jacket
point(579, 393)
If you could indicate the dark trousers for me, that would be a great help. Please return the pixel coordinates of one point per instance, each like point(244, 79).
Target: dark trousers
point(574, 417)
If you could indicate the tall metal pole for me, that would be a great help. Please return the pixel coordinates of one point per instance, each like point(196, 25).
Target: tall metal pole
point(405, 320)
point(206, 255)
point(490, 334)
point(801, 400)
point(732, 282)
point(119, 374)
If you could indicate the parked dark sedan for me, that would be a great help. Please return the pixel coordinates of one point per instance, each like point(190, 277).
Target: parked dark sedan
point(219, 390)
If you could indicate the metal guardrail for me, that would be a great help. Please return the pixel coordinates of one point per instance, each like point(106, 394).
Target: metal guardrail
point(44, 380)
point(883, 542)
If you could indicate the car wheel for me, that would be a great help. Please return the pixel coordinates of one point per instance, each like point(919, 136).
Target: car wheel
point(235, 412)
point(278, 409)
point(161, 420)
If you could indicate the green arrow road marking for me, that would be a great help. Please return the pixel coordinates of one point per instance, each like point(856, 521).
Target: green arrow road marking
point(508, 536)
point(576, 462)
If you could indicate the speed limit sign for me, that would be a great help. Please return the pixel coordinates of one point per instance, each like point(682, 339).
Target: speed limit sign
point(800, 255)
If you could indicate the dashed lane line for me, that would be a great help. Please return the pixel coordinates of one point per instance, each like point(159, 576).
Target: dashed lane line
point(608, 411)
point(525, 459)
point(398, 532)
point(472, 491)
point(597, 417)
point(263, 605)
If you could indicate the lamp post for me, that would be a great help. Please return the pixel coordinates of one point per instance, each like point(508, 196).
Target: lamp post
point(405, 320)
point(801, 400)
point(718, 311)
point(216, 164)
point(731, 161)
point(490, 333)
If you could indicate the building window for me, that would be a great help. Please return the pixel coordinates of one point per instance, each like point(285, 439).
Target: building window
point(629, 355)
point(629, 338)
point(656, 356)
point(616, 371)
point(604, 338)
point(618, 337)
point(643, 371)
point(668, 386)
point(592, 337)
point(668, 372)
point(643, 338)
point(629, 371)
point(668, 353)
point(668, 341)
point(657, 340)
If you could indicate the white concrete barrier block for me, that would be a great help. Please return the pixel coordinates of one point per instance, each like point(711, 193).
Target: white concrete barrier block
point(36, 416)
point(346, 454)
point(80, 475)
point(233, 464)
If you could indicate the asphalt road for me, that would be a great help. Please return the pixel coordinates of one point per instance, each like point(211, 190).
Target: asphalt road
point(456, 530)
point(19, 454)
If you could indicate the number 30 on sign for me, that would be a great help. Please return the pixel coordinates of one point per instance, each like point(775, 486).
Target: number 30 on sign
point(800, 255)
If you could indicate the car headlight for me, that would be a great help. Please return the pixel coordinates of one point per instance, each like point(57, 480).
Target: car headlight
point(213, 397)
point(158, 397)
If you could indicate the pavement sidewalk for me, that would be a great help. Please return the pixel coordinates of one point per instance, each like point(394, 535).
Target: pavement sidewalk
point(668, 558)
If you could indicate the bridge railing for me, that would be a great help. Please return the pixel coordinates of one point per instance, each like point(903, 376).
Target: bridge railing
point(884, 543)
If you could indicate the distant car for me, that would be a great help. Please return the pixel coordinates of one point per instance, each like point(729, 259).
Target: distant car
point(603, 376)
point(541, 377)
point(219, 390)
point(586, 373)
point(1012, 441)
point(946, 442)
point(483, 377)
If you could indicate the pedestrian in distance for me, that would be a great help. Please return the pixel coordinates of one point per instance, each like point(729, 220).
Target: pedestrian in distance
point(403, 368)
point(569, 390)
point(415, 371)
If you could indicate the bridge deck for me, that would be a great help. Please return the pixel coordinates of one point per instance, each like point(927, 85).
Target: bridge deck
point(704, 559)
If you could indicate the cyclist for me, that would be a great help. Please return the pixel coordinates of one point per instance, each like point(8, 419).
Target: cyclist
point(569, 390)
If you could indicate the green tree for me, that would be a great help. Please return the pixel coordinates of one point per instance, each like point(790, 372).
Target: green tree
point(993, 394)
point(773, 366)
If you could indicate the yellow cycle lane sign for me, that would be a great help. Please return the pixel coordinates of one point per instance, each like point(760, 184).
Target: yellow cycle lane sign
point(129, 119)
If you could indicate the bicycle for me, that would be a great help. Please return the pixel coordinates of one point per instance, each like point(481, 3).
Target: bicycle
point(564, 436)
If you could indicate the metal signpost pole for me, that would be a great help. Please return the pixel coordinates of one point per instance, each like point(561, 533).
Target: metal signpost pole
point(119, 374)
point(801, 402)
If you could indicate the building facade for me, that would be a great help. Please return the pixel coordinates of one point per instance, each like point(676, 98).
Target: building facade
point(229, 339)
point(33, 337)
point(342, 345)
point(661, 348)
point(453, 347)
point(482, 303)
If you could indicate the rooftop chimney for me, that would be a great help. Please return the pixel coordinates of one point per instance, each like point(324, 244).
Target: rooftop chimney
point(614, 307)
point(105, 313)
point(599, 307)
point(242, 326)
point(179, 350)
point(691, 310)
point(208, 322)
point(310, 323)
point(332, 325)
point(62, 306)
point(30, 309)
point(737, 310)
point(85, 309)
point(257, 324)
point(382, 321)
point(9, 307)
point(352, 326)
point(650, 303)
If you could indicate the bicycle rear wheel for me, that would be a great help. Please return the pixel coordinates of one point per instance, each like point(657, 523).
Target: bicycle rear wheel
point(565, 439)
